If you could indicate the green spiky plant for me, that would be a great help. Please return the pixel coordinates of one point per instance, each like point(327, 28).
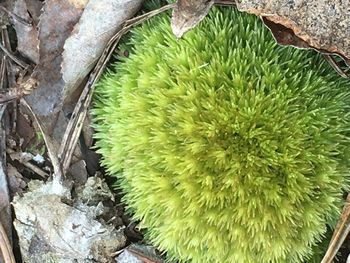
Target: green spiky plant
point(227, 147)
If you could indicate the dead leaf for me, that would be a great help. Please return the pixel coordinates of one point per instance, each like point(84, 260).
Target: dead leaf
point(187, 14)
point(46, 102)
point(79, 3)
point(27, 35)
point(56, 24)
point(323, 25)
point(18, 90)
point(99, 22)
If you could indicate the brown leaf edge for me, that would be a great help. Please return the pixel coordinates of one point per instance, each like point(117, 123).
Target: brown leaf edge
point(187, 14)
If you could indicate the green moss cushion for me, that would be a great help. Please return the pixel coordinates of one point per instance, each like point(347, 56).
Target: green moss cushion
point(227, 147)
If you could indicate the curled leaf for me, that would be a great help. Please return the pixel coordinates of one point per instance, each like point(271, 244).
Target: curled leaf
point(187, 14)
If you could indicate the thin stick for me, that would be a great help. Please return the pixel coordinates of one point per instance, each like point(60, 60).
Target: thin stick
point(225, 2)
point(13, 57)
point(5, 247)
point(336, 66)
point(340, 233)
point(17, 156)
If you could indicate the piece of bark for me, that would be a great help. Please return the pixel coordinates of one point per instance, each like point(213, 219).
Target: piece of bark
point(99, 22)
point(323, 25)
point(187, 14)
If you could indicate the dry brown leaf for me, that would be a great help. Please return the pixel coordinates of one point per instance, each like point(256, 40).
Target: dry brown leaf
point(100, 21)
point(56, 24)
point(323, 25)
point(27, 35)
point(187, 14)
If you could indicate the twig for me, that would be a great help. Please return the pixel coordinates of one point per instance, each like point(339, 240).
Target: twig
point(36, 170)
point(17, 156)
point(225, 2)
point(340, 233)
point(5, 247)
point(336, 66)
point(20, 88)
point(14, 58)
point(2, 74)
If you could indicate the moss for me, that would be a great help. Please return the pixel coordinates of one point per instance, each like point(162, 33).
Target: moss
point(227, 147)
